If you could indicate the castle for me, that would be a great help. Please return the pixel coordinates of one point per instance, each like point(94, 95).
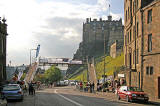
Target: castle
point(98, 36)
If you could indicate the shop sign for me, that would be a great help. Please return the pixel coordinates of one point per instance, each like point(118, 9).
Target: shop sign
point(121, 76)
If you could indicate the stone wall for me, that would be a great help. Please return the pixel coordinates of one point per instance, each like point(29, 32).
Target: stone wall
point(96, 32)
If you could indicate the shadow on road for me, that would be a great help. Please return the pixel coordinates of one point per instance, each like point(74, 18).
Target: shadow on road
point(97, 101)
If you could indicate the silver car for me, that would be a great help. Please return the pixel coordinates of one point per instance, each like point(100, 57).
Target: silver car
point(12, 91)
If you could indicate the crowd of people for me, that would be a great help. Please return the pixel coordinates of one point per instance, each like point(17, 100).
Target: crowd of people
point(110, 86)
point(86, 86)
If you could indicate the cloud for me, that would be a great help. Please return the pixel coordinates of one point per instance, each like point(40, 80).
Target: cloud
point(56, 46)
point(54, 24)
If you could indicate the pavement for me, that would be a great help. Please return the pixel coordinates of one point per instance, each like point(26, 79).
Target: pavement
point(69, 96)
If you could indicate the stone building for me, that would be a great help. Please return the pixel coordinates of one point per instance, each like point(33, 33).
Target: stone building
point(3, 35)
point(115, 50)
point(95, 32)
point(142, 45)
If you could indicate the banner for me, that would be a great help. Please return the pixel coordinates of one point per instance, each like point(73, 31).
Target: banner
point(37, 52)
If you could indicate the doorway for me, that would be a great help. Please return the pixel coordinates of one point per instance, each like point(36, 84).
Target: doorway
point(158, 87)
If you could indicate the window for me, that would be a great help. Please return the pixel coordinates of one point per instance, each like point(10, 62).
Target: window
point(130, 60)
point(147, 70)
point(134, 6)
point(133, 57)
point(137, 28)
point(149, 42)
point(131, 9)
point(126, 15)
point(149, 16)
point(126, 59)
point(137, 56)
point(128, 12)
point(126, 39)
point(130, 35)
point(151, 70)
point(134, 32)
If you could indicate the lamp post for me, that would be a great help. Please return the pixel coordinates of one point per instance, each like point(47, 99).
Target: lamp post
point(87, 68)
point(30, 55)
point(104, 52)
point(85, 60)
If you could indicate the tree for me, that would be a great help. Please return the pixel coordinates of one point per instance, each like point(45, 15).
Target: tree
point(39, 77)
point(53, 74)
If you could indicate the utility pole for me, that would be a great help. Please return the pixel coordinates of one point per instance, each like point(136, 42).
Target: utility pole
point(87, 68)
point(104, 52)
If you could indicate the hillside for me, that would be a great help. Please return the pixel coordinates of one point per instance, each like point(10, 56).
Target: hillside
point(112, 64)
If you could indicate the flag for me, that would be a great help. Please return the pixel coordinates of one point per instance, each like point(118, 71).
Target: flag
point(37, 52)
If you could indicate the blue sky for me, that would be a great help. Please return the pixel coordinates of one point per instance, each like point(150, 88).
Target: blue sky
point(54, 24)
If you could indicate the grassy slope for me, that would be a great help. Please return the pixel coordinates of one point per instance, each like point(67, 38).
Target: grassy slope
point(80, 77)
point(112, 64)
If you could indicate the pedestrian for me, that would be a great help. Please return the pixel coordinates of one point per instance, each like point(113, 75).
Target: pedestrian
point(33, 90)
point(98, 86)
point(90, 88)
point(51, 84)
point(93, 86)
point(30, 89)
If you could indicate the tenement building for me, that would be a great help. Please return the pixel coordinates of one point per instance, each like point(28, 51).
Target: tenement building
point(98, 36)
point(142, 45)
point(3, 35)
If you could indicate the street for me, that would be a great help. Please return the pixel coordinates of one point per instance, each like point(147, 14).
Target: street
point(68, 96)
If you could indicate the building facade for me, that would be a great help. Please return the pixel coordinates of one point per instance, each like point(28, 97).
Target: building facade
point(99, 34)
point(141, 45)
point(10, 70)
point(115, 50)
point(3, 40)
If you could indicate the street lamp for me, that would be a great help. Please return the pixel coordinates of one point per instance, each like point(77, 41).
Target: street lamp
point(85, 60)
point(104, 52)
point(30, 55)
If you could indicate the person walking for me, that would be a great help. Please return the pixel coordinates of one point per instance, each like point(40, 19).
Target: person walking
point(30, 88)
point(90, 88)
point(93, 86)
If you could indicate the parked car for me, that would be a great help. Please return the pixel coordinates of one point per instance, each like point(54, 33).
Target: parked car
point(12, 91)
point(132, 94)
point(72, 83)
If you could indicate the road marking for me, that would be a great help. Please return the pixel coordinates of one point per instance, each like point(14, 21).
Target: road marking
point(74, 102)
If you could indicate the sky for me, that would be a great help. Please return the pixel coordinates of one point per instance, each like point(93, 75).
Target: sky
point(54, 24)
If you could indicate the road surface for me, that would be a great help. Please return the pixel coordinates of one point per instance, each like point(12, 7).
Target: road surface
point(67, 96)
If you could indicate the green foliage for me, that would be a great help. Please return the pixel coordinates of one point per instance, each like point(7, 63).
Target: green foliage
point(80, 77)
point(53, 74)
point(39, 77)
point(77, 71)
point(111, 65)
point(23, 76)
